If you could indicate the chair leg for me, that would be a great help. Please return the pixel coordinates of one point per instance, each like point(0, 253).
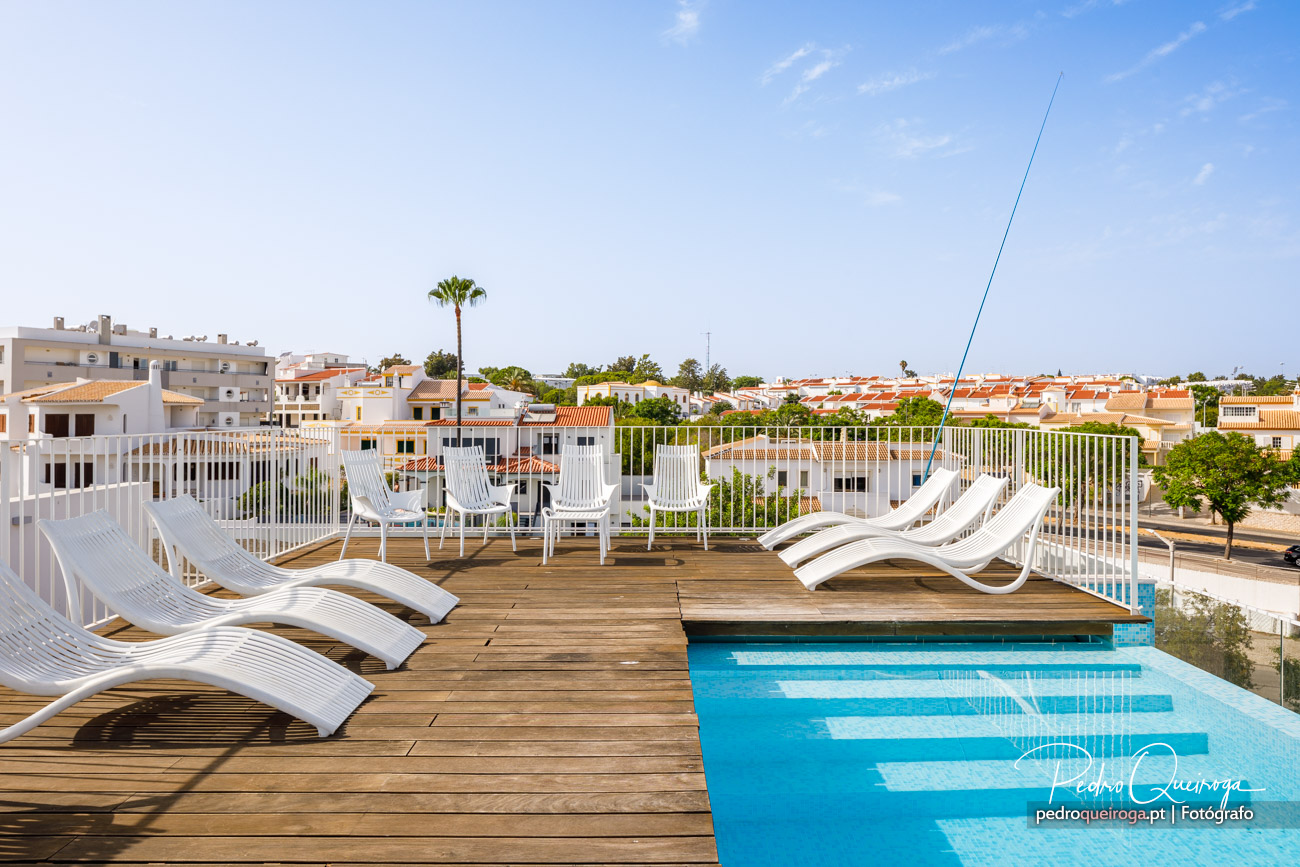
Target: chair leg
point(446, 513)
point(704, 530)
point(348, 535)
point(486, 524)
point(425, 522)
point(513, 546)
point(546, 538)
point(463, 516)
point(383, 541)
point(650, 544)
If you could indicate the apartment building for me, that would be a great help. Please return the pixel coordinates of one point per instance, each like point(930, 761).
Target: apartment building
point(232, 381)
point(636, 393)
point(307, 387)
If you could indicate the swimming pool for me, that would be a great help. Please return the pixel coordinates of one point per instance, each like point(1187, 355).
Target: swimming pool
point(942, 753)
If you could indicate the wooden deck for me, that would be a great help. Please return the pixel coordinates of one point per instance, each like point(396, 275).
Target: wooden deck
point(548, 720)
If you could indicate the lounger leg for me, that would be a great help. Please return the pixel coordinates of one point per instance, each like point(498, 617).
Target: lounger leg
point(347, 535)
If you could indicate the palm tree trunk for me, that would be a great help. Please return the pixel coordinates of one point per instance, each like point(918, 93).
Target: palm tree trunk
point(460, 370)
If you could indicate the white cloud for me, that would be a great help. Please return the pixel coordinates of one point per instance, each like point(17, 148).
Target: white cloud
point(885, 83)
point(1270, 104)
point(974, 35)
point(1159, 52)
point(904, 140)
point(687, 24)
point(830, 60)
point(1233, 12)
point(785, 63)
point(1204, 174)
point(1213, 94)
point(880, 197)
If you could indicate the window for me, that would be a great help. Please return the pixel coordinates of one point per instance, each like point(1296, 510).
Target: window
point(803, 479)
point(916, 480)
point(491, 446)
point(4, 422)
point(85, 424)
point(782, 478)
point(1236, 411)
point(406, 447)
point(417, 413)
point(1277, 442)
point(586, 441)
point(56, 424)
point(367, 444)
point(358, 413)
point(471, 410)
point(548, 443)
point(851, 484)
point(80, 472)
point(523, 487)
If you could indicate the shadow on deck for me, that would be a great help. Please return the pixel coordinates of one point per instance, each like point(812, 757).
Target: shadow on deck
point(549, 719)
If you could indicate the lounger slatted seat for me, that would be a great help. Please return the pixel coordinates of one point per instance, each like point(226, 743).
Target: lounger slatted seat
point(469, 492)
point(677, 488)
point(372, 500)
point(44, 653)
point(95, 550)
point(975, 504)
point(188, 532)
point(922, 501)
point(1022, 515)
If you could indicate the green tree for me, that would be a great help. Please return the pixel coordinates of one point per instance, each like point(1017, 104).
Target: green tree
point(657, 410)
point(392, 361)
point(915, 412)
point(1230, 474)
point(514, 378)
point(623, 365)
point(458, 293)
point(439, 364)
point(902, 367)
point(747, 382)
point(646, 369)
point(720, 407)
point(793, 414)
point(716, 379)
point(689, 376)
point(1206, 399)
point(575, 370)
point(1197, 376)
point(1213, 636)
point(554, 396)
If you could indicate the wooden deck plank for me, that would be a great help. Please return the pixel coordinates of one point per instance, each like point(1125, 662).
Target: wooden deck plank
point(548, 720)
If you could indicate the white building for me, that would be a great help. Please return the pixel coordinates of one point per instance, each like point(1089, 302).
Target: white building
point(1272, 421)
point(307, 387)
point(232, 381)
point(634, 394)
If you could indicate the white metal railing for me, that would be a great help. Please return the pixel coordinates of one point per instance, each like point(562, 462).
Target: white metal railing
point(273, 491)
point(276, 490)
point(767, 475)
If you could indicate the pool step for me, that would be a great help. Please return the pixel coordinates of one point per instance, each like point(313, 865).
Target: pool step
point(903, 706)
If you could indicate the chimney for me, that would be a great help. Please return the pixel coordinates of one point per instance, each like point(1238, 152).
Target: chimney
point(157, 420)
point(221, 339)
point(58, 323)
point(105, 329)
point(153, 332)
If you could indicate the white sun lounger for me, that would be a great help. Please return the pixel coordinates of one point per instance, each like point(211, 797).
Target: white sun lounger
point(1023, 514)
point(96, 550)
point(44, 653)
point(907, 514)
point(973, 505)
point(188, 531)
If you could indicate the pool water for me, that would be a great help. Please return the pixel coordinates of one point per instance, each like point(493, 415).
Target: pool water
point(915, 753)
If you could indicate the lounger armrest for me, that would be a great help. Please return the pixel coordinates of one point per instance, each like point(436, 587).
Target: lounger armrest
point(650, 492)
point(364, 508)
point(412, 501)
point(502, 493)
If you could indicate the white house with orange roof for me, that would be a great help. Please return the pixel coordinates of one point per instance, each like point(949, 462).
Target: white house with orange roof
point(1270, 420)
point(634, 394)
point(306, 394)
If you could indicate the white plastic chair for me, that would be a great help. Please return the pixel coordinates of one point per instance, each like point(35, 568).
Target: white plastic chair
point(924, 498)
point(470, 492)
point(677, 488)
point(95, 550)
point(44, 653)
point(373, 501)
point(188, 532)
point(1023, 514)
point(974, 505)
point(580, 496)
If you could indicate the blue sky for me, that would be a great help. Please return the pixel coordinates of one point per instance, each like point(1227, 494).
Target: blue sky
point(823, 186)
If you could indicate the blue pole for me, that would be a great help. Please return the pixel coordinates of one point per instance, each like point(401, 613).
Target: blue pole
point(948, 406)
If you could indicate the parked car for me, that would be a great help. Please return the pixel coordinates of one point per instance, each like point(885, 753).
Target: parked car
point(1292, 555)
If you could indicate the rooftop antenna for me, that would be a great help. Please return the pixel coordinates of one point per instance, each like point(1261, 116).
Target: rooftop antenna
point(948, 406)
point(708, 345)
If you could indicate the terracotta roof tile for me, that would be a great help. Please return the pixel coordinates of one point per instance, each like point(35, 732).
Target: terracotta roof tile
point(1273, 399)
point(1269, 419)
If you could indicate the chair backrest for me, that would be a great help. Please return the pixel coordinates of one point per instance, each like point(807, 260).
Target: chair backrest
point(923, 500)
point(582, 477)
point(677, 474)
point(99, 553)
point(974, 504)
point(365, 478)
point(1022, 514)
point(187, 529)
point(465, 469)
point(39, 647)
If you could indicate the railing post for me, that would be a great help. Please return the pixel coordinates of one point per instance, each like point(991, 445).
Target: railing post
point(1133, 525)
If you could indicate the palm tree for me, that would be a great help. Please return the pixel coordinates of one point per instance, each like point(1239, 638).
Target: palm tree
point(456, 292)
point(902, 365)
